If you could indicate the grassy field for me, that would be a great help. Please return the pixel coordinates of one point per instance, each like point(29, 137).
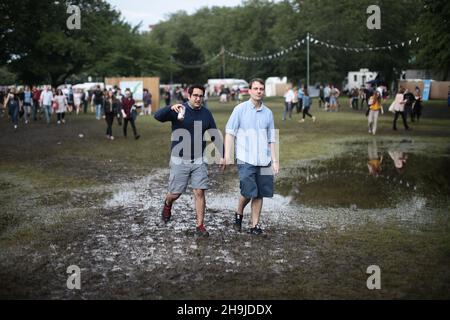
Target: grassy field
point(51, 180)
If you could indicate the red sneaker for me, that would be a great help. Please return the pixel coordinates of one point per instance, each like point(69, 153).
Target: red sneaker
point(201, 231)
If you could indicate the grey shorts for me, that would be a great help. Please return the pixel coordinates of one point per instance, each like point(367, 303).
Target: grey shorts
point(181, 171)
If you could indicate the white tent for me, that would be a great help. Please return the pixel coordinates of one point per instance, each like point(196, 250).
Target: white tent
point(271, 85)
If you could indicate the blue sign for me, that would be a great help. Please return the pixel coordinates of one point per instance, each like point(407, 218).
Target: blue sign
point(426, 90)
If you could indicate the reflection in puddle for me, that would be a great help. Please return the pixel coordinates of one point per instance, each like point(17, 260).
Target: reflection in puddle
point(369, 178)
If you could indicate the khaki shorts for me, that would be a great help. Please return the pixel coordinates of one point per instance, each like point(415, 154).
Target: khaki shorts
point(181, 171)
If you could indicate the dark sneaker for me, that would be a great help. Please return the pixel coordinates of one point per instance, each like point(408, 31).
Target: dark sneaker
point(137, 137)
point(166, 212)
point(238, 222)
point(256, 230)
point(201, 231)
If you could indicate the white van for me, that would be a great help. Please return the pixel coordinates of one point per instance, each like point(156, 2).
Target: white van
point(215, 85)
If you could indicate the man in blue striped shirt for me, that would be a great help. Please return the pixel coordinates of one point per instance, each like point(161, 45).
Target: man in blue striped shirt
point(251, 127)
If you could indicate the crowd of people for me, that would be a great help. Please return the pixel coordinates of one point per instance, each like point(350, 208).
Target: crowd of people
point(34, 104)
point(371, 98)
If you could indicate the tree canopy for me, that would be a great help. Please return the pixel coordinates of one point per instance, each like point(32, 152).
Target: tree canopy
point(37, 46)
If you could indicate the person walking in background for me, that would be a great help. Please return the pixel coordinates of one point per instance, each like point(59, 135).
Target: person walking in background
point(70, 99)
point(399, 108)
point(127, 114)
point(417, 108)
point(301, 92)
point(307, 102)
point(206, 98)
point(363, 96)
point(409, 99)
point(36, 98)
point(288, 97)
point(321, 96)
point(375, 108)
point(295, 101)
point(167, 97)
point(147, 100)
point(251, 126)
point(97, 101)
point(61, 106)
point(84, 100)
point(119, 98)
point(327, 92)
point(27, 102)
point(110, 109)
point(334, 95)
point(354, 98)
point(77, 100)
point(12, 103)
point(46, 102)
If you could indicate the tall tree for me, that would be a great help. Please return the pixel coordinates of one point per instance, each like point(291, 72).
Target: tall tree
point(39, 47)
point(187, 54)
point(433, 26)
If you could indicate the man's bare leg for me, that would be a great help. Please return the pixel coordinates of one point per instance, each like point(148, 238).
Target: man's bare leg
point(200, 205)
point(256, 210)
point(243, 202)
point(171, 197)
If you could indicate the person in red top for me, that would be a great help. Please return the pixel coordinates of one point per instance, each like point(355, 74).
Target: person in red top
point(127, 114)
point(36, 96)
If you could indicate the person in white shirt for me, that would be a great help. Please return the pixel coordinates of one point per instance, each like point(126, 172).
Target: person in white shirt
point(46, 102)
point(288, 98)
point(77, 100)
point(62, 103)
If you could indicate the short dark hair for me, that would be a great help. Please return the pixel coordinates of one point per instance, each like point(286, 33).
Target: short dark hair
point(257, 80)
point(196, 86)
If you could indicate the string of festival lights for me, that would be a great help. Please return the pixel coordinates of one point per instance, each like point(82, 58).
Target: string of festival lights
point(313, 40)
point(297, 44)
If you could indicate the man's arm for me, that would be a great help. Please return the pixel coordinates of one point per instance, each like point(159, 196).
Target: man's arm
point(167, 113)
point(273, 146)
point(275, 162)
point(229, 147)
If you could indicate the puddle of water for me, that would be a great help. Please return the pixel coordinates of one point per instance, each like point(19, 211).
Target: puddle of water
point(340, 192)
point(371, 177)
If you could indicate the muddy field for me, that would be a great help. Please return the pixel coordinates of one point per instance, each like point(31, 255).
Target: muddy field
point(71, 201)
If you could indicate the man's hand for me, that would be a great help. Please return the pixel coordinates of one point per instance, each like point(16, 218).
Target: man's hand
point(275, 167)
point(177, 108)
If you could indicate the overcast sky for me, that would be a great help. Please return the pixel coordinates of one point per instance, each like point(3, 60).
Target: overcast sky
point(153, 11)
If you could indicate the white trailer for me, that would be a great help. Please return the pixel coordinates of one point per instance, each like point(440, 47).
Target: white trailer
point(357, 79)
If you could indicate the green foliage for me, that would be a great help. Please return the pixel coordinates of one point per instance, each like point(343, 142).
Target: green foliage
point(434, 26)
point(261, 27)
point(45, 50)
point(7, 77)
point(42, 49)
